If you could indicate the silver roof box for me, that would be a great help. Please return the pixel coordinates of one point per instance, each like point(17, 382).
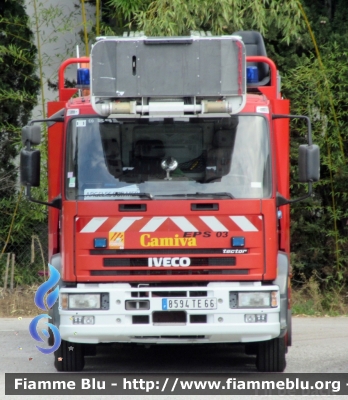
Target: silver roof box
point(197, 66)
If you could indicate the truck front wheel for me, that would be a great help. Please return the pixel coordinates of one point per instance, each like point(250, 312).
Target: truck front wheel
point(69, 357)
point(271, 355)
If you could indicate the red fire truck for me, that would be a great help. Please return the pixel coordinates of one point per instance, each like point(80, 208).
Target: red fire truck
point(168, 174)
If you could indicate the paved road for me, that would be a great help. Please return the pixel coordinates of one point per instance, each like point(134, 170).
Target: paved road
point(319, 345)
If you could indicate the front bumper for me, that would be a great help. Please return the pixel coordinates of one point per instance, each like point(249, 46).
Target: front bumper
point(221, 325)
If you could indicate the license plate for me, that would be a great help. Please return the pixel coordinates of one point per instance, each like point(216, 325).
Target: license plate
point(189, 304)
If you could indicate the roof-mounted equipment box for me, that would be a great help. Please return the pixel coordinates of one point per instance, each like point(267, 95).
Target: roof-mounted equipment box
point(129, 73)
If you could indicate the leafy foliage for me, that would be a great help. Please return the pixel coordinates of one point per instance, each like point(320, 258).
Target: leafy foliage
point(18, 84)
point(175, 17)
point(18, 90)
point(317, 87)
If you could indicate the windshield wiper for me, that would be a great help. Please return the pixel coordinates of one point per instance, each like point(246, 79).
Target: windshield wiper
point(148, 195)
point(118, 194)
point(217, 194)
point(198, 194)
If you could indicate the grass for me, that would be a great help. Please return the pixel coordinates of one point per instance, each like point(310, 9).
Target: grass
point(311, 300)
point(19, 302)
point(308, 300)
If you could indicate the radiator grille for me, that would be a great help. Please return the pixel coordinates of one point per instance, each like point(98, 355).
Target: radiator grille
point(173, 271)
point(195, 262)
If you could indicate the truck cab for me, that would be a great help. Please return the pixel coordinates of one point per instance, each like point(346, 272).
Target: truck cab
point(169, 197)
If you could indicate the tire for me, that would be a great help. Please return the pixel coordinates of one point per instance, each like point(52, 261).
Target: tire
point(90, 349)
point(50, 340)
point(71, 360)
point(251, 349)
point(271, 355)
point(54, 314)
point(289, 332)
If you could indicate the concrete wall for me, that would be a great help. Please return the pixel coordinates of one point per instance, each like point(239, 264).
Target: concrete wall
point(60, 22)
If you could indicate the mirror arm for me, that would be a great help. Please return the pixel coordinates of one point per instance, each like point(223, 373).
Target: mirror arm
point(282, 201)
point(56, 202)
point(55, 118)
point(309, 124)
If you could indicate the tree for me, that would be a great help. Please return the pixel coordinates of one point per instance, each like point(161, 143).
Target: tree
point(316, 84)
point(18, 90)
point(18, 85)
point(175, 17)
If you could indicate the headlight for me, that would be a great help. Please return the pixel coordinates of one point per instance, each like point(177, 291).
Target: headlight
point(82, 301)
point(253, 299)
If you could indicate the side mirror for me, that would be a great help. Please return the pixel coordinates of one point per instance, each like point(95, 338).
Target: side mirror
point(309, 163)
point(31, 133)
point(30, 159)
point(30, 167)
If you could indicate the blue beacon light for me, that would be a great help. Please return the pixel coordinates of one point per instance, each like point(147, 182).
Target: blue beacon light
point(83, 77)
point(252, 75)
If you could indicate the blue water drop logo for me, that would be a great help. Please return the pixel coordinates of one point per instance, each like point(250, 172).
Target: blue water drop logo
point(50, 300)
point(45, 287)
point(35, 335)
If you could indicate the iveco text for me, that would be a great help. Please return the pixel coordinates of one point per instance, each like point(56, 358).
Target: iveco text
point(169, 262)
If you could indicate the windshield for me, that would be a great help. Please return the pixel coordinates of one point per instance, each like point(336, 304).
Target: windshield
point(197, 158)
